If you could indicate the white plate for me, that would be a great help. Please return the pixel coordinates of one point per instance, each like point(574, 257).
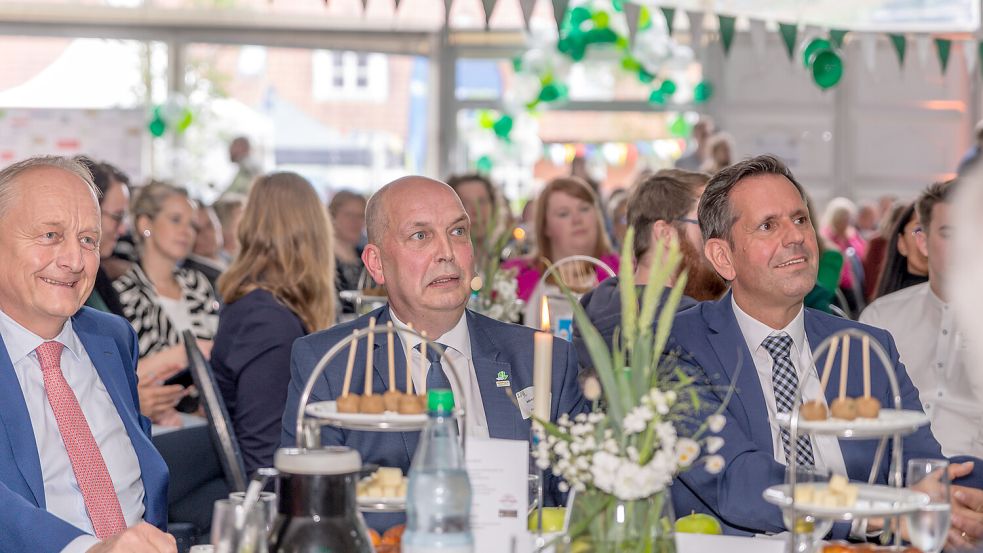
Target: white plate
point(381, 504)
point(872, 501)
point(386, 422)
point(890, 421)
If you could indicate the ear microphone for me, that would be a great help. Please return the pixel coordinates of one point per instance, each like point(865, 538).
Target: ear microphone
point(476, 283)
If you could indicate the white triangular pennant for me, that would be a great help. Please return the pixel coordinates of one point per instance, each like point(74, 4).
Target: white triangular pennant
point(759, 38)
point(923, 48)
point(559, 10)
point(527, 6)
point(632, 12)
point(395, 6)
point(695, 29)
point(970, 55)
point(447, 11)
point(365, 7)
point(868, 50)
point(489, 6)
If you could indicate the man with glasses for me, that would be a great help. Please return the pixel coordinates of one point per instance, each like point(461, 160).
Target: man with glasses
point(923, 324)
point(660, 207)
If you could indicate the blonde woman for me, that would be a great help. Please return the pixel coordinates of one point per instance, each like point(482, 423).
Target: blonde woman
point(280, 287)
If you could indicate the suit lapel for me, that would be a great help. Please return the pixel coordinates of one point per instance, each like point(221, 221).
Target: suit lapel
point(17, 421)
point(380, 364)
point(487, 366)
point(738, 368)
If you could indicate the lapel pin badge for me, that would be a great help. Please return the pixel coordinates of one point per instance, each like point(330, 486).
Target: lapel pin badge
point(502, 379)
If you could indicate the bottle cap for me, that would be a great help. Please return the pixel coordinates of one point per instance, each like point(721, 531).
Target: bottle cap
point(440, 401)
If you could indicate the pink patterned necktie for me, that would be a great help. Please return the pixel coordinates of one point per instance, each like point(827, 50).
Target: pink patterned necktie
point(87, 462)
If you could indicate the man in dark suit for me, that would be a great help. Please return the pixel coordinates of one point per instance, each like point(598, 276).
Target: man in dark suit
point(419, 247)
point(77, 469)
point(760, 339)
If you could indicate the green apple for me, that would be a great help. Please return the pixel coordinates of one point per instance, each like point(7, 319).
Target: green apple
point(552, 519)
point(698, 523)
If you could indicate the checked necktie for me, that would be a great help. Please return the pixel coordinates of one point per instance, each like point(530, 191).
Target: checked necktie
point(786, 384)
point(88, 464)
point(436, 379)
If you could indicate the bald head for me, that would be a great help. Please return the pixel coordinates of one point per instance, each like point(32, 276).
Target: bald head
point(377, 212)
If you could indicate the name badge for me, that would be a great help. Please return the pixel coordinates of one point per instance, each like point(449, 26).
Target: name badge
point(525, 400)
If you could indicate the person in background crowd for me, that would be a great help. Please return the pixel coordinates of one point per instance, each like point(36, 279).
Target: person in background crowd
point(759, 338)
point(973, 154)
point(904, 264)
point(568, 222)
point(661, 207)
point(823, 294)
point(114, 202)
point(702, 131)
point(228, 209)
point(720, 153)
point(160, 298)
point(78, 470)
point(205, 256)
point(868, 219)
point(923, 323)
point(877, 250)
point(347, 210)
point(240, 154)
point(477, 193)
point(839, 230)
point(618, 214)
point(279, 288)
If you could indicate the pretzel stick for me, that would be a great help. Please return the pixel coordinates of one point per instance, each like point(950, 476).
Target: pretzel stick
point(866, 355)
point(844, 365)
point(369, 355)
point(827, 368)
point(349, 365)
point(392, 357)
point(409, 363)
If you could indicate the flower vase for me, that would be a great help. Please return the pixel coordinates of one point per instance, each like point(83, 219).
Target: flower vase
point(602, 523)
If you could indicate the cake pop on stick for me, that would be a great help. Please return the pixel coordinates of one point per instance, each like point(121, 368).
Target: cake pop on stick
point(349, 403)
point(371, 403)
point(867, 407)
point(843, 407)
point(391, 397)
point(815, 410)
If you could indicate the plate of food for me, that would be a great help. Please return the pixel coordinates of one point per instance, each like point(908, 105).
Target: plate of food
point(382, 491)
point(888, 421)
point(841, 500)
point(391, 421)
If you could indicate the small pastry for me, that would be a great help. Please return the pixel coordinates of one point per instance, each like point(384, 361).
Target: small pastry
point(868, 407)
point(409, 404)
point(844, 408)
point(373, 405)
point(349, 404)
point(814, 411)
point(391, 400)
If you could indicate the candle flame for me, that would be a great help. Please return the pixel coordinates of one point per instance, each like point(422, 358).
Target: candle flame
point(544, 316)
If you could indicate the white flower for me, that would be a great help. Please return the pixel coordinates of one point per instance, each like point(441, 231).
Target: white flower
point(592, 389)
point(671, 397)
point(686, 452)
point(637, 419)
point(563, 486)
point(667, 435)
point(716, 423)
point(714, 464)
point(714, 443)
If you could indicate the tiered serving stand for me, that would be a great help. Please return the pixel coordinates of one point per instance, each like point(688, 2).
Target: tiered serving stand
point(874, 500)
point(312, 417)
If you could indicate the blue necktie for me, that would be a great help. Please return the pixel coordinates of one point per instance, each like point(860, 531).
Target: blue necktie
point(436, 379)
point(786, 384)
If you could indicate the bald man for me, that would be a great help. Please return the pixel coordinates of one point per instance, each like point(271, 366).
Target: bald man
point(419, 247)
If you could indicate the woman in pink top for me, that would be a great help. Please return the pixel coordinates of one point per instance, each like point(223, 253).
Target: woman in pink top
point(568, 222)
point(839, 229)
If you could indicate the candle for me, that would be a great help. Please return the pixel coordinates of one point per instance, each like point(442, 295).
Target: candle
point(542, 368)
point(392, 357)
point(369, 354)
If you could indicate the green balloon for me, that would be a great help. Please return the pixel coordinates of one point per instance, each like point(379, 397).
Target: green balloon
point(645, 76)
point(187, 118)
point(549, 93)
point(578, 51)
point(629, 63)
point(618, 5)
point(702, 92)
point(157, 127)
point(668, 87)
point(601, 20)
point(827, 69)
point(578, 15)
point(815, 45)
point(503, 126)
point(679, 127)
point(517, 64)
point(485, 119)
point(622, 42)
point(484, 164)
point(600, 36)
point(563, 45)
point(644, 18)
point(657, 98)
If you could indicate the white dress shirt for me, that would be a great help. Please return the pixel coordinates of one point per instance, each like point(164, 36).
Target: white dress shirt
point(934, 352)
point(457, 342)
point(825, 449)
point(63, 497)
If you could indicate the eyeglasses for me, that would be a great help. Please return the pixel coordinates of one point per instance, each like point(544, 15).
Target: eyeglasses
point(688, 220)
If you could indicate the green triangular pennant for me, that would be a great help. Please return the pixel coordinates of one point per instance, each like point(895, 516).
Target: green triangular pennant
point(942, 47)
point(836, 37)
point(670, 15)
point(789, 32)
point(900, 45)
point(979, 61)
point(727, 24)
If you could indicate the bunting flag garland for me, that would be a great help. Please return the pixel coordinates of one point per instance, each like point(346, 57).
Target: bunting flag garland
point(970, 55)
point(900, 44)
point(633, 13)
point(489, 6)
point(527, 6)
point(922, 47)
point(789, 32)
point(942, 48)
point(559, 10)
point(727, 24)
point(695, 29)
point(868, 49)
point(365, 7)
point(670, 15)
point(836, 37)
point(759, 38)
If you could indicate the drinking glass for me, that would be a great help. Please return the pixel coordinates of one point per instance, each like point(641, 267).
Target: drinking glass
point(928, 527)
point(809, 529)
point(267, 503)
point(235, 531)
point(533, 493)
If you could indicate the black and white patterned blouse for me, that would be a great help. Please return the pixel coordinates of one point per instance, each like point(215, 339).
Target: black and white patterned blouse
point(143, 308)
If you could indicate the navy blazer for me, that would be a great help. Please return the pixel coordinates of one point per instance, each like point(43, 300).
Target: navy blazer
point(711, 344)
point(25, 525)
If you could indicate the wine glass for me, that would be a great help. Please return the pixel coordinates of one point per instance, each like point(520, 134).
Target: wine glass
point(235, 531)
point(928, 527)
point(533, 493)
point(809, 529)
point(267, 502)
